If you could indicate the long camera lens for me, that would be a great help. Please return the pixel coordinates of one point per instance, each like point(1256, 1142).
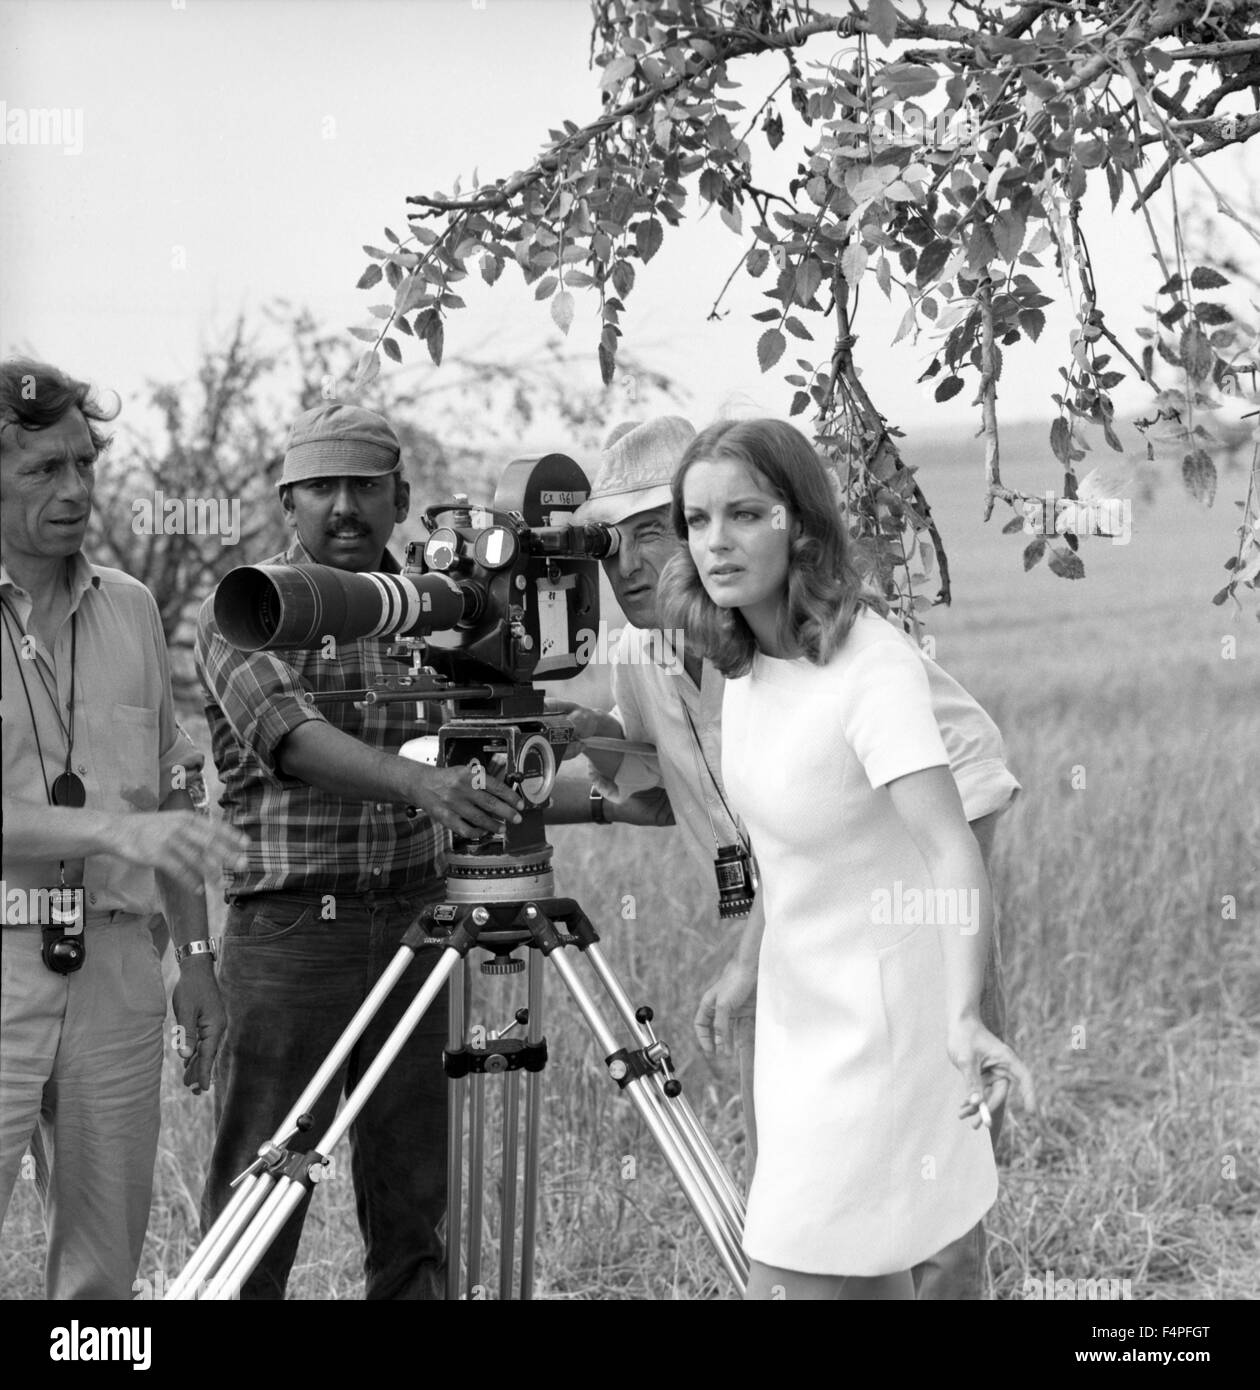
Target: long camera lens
point(258, 607)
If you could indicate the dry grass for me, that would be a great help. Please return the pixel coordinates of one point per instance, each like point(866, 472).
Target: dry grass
point(1134, 1001)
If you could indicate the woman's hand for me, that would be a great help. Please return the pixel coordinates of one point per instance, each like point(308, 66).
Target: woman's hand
point(989, 1068)
point(725, 997)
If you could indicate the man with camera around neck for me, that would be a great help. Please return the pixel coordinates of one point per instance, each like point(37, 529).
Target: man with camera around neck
point(672, 699)
point(346, 845)
point(94, 771)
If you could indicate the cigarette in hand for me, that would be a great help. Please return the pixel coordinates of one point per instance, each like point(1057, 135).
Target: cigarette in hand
point(986, 1118)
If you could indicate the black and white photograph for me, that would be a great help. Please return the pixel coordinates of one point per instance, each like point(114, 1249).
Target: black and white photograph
point(631, 662)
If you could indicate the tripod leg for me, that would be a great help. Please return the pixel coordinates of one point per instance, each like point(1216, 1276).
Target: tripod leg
point(507, 1206)
point(647, 1100)
point(476, 1181)
point(288, 1194)
point(455, 1137)
point(684, 1116)
point(533, 1115)
point(226, 1228)
point(232, 1221)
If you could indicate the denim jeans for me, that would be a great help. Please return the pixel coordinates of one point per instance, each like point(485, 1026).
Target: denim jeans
point(291, 981)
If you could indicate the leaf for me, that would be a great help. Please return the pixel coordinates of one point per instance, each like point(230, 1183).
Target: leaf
point(883, 276)
point(1198, 472)
point(371, 276)
point(797, 329)
point(906, 80)
point(368, 368)
point(616, 72)
point(546, 286)
point(434, 340)
point(931, 262)
point(907, 323)
point(1032, 321)
point(648, 236)
point(733, 218)
point(392, 350)
point(808, 278)
point(882, 18)
point(1210, 313)
point(1061, 440)
point(607, 363)
point(1016, 523)
point(1066, 564)
point(800, 402)
point(770, 348)
point(853, 262)
point(949, 388)
point(1033, 552)
point(375, 252)
point(364, 335)
point(1008, 232)
point(1203, 277)
point(1196, 353)
point(757, 260)
point(562, 311)
point(981, 248)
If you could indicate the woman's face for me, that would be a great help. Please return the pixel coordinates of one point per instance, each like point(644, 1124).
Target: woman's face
point(739, 535)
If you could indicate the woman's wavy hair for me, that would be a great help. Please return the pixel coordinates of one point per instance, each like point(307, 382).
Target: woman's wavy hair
point(824, 590)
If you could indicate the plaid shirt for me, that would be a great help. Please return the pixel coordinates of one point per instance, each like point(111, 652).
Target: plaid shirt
point(301, 839)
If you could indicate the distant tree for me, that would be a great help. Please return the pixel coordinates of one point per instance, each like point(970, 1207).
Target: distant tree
point(970, 213)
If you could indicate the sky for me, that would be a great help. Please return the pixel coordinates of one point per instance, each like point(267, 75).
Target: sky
point(232, 151)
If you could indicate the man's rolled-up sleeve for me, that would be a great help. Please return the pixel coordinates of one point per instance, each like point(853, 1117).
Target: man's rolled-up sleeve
point(261, 696)
point(175, 747)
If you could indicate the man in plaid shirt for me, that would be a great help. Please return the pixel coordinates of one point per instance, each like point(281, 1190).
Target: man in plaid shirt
point(336, 872)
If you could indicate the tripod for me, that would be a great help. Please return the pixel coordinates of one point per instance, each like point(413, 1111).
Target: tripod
point(497, 903)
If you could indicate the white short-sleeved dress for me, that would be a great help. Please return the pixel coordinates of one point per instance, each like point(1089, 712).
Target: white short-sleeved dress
point(864, 1166)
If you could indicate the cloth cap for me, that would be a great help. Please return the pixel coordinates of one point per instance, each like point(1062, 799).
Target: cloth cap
point(638, 466)
point(334, 441)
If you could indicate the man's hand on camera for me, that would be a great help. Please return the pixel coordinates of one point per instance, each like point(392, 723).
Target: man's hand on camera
point(587, 723)
point(183, 844)
point(449, 797)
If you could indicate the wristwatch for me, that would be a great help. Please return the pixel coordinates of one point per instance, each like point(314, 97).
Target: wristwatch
point(204, 947)
point(597, 806)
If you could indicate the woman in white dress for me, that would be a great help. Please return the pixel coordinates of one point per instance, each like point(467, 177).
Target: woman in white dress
point(873, 1071)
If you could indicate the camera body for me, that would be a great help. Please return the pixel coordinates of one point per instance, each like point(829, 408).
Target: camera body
point(529, 575)
point(493, 600)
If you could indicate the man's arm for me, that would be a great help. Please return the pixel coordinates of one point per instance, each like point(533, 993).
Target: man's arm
point(178, 843)
point(196, 1003)
point(324, 757)
point(571, 804)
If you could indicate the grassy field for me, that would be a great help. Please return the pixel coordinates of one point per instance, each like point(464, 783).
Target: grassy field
point(1134, 995)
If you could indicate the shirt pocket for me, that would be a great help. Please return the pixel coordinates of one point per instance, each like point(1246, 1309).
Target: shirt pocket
point(129, 757)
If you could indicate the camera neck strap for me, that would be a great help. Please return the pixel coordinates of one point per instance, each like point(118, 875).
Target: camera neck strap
point(26, 690)
point(698, 754)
